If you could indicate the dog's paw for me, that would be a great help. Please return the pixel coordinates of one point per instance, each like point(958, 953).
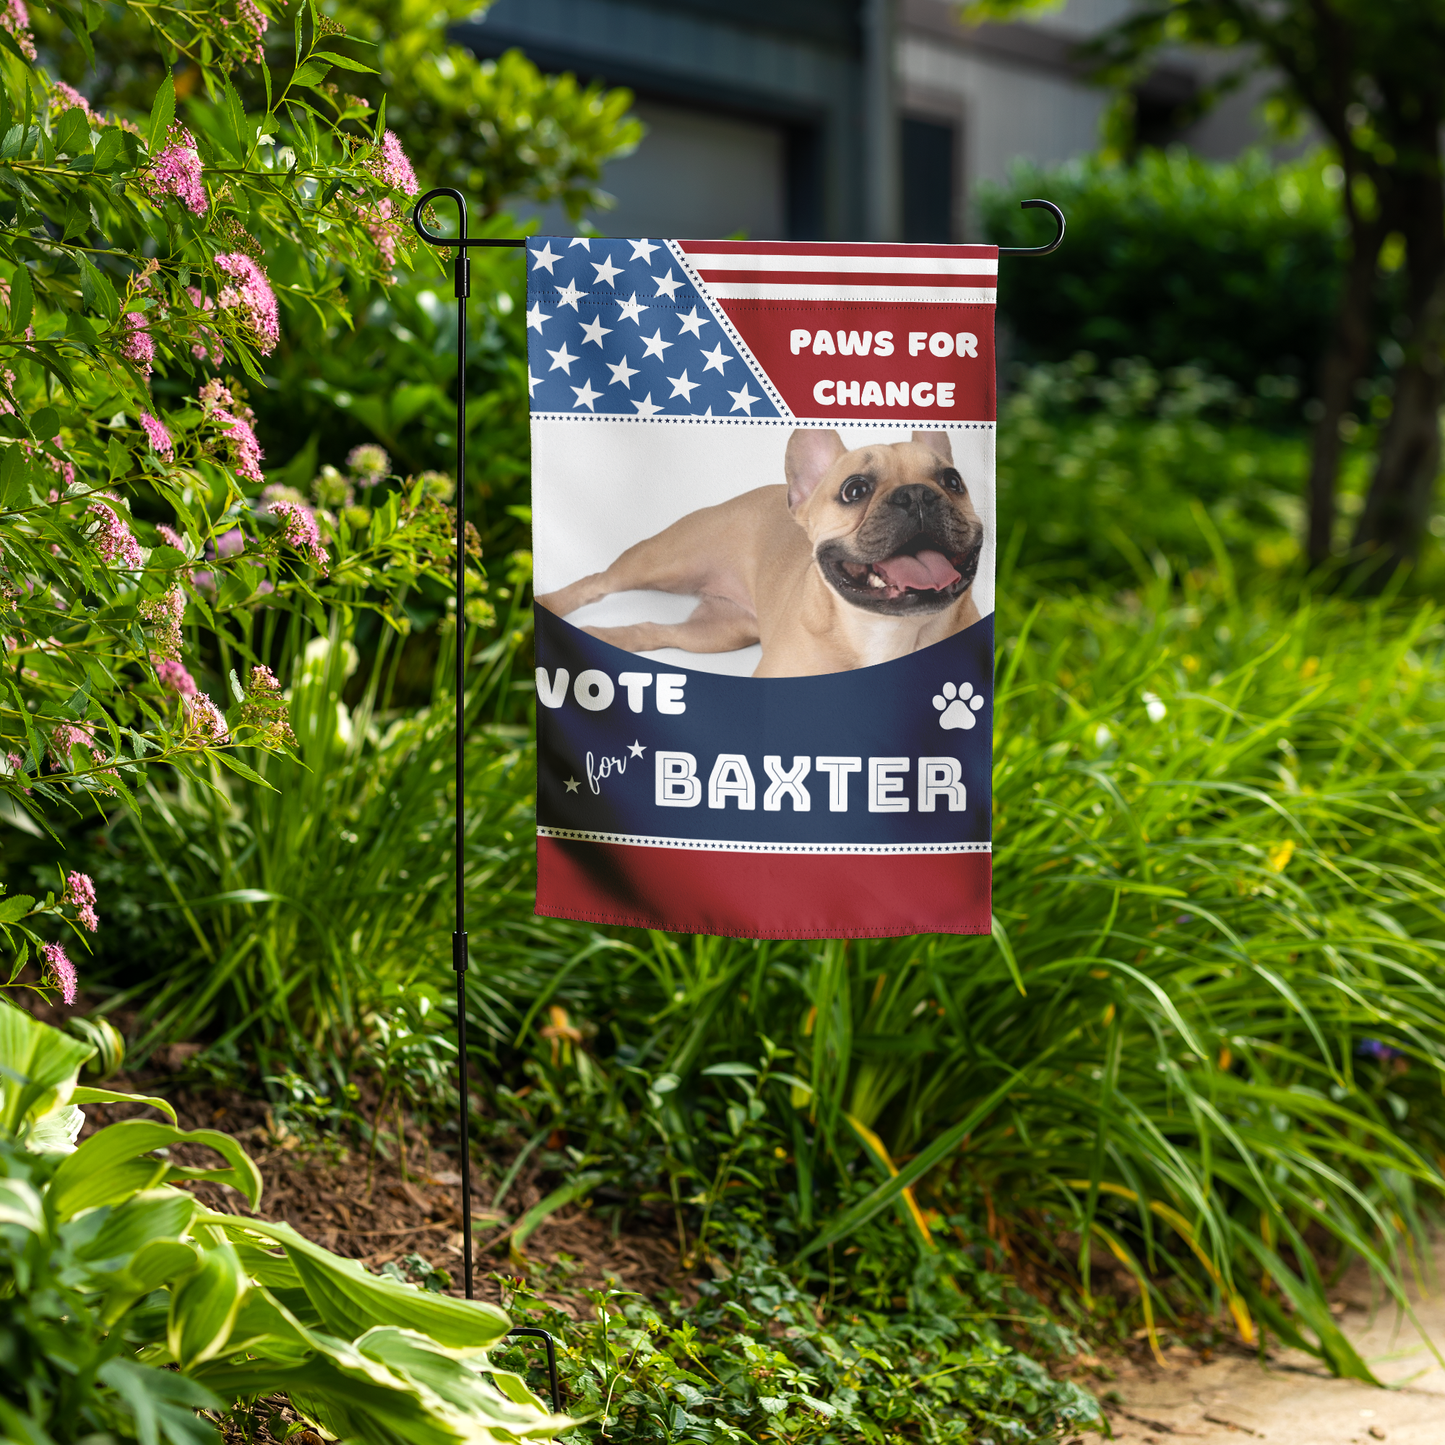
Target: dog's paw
point(958, 705)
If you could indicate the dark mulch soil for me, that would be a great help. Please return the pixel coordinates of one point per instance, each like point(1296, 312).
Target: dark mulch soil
point(383, 1209)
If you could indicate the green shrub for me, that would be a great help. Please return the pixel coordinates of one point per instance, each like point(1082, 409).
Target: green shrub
point(1234, 267)
point(128, 1306)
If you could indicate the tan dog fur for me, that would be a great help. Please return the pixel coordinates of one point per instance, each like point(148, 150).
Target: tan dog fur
point(753, 561)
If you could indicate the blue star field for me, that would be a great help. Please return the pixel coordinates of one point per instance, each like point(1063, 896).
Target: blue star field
point(616, 328)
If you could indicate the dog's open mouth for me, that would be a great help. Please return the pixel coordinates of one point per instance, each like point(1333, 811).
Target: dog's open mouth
point(920, 576)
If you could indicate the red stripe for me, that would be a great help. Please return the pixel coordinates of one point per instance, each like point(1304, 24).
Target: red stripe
point(840, 248)
point(845, 279)
point(765, 895)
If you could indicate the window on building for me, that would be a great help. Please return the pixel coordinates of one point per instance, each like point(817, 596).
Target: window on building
point(928, 180)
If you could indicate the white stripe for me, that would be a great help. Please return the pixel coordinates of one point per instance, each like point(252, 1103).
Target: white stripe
point(788, 291)
point(876, 265)
point(700, 845)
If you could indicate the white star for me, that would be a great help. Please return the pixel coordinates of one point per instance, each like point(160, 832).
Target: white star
point(562, 359)
point(621, 372)
point(692, 323)
point(568, 295)
point(645, 407)
point(632, 310)
point(667, 285)
point(742, 400)
point(545, 257)
point(684, 388)
point(532, 382)
point(708, 412)
point(596, 331)
point(717, 358)
point(584, 241)
point(642, 251)
point(636, 749)
point(654, 344)
point(585, 395)
point(573, 784)
point(606, 271)
point(535, 317)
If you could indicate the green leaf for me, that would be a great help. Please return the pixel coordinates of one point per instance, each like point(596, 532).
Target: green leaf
point(22, 299)
point(154, 1214)
point(310, 74)
point(40, 1067)
point(15, 907)
point(345, 62)
point(95, 288)
point(574, 1189)
point(161, 1261)
point(163, 112)
point(229, 760)
point(72, 132)
point(204, 1308)
point(46, 423)
point(108, 150)
point(86, 1095)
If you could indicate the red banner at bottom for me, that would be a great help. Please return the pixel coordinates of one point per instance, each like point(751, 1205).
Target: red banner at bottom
point(764, 895)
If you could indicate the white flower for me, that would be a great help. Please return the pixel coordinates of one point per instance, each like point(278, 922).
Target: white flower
point(1154, 707)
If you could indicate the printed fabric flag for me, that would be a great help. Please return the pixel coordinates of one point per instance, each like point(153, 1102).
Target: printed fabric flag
point(764, 535)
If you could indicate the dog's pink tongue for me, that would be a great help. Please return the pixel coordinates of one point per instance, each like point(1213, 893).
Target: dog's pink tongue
point(927, 570)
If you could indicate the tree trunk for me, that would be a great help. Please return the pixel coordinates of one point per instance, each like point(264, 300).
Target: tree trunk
point(1397, 509)
point(1344, 364)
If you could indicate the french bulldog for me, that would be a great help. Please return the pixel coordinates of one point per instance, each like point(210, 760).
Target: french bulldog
point(864, 556)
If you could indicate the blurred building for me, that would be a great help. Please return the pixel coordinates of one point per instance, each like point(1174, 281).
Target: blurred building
point(837, 119)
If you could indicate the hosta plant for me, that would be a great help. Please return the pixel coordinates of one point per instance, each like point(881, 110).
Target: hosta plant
point(128, 1307)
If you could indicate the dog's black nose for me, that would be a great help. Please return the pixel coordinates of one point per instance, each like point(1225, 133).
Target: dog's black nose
point(914, 498)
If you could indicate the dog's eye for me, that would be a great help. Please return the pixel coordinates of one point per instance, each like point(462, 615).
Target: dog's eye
point(950, 480)
point(856, 489)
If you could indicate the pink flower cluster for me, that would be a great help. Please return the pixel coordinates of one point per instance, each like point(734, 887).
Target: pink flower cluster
point(266, 708)
point(254, 23)
point(298, 526)
point(172, 676)
point(158, 436)
point(218, 403)
point(60, 971)
point(113, 537)
point(252, 296)
point(166, 612)
point(17, 766)
point(177, 172)
point(390, 165)
point(368, 464)
point(65, 469)
point(67, 97)
point(64, 738)
point(138, 348)
point(385, 228)
point(16, 19)
point(80, 891)
point(205, 725)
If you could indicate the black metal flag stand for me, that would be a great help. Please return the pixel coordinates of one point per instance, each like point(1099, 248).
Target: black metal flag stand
point(462, 276)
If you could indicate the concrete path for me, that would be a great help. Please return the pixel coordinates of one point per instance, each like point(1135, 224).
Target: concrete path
point(1292, 1400)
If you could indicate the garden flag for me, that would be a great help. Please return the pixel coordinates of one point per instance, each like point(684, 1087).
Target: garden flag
point(764, 531)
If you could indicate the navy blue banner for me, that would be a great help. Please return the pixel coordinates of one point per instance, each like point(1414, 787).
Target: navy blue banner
point(895, 755)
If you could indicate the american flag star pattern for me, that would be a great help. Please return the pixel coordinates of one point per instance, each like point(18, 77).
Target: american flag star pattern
point(622, 328)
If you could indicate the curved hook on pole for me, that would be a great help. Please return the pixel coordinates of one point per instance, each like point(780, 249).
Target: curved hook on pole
point(461, 240)
point(430, 237)
point(1053, 245)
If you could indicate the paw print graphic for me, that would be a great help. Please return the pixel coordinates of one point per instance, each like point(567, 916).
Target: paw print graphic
point(958, 705)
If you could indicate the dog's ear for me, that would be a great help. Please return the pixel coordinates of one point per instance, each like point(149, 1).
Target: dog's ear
point(811, 451)
point(937, 442)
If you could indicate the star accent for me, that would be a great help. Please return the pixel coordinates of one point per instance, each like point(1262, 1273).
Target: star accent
point(532, 382)
point(717, 358)
point(642, 251)
point(535, 317)
point(573, 784)
point(667, 285)
point(596, 331)
point(584, 241)
point(606, 271)
point(622, 372)
point(692, 323)
point(585, 395)
point(561, 358)
point(569, 295)
point(632, 310)
point(545, 257)
point(636, 749)
point(645, 407)
point(743, 400)
point(708, 412)
point(654, 345)
point(684, 388)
